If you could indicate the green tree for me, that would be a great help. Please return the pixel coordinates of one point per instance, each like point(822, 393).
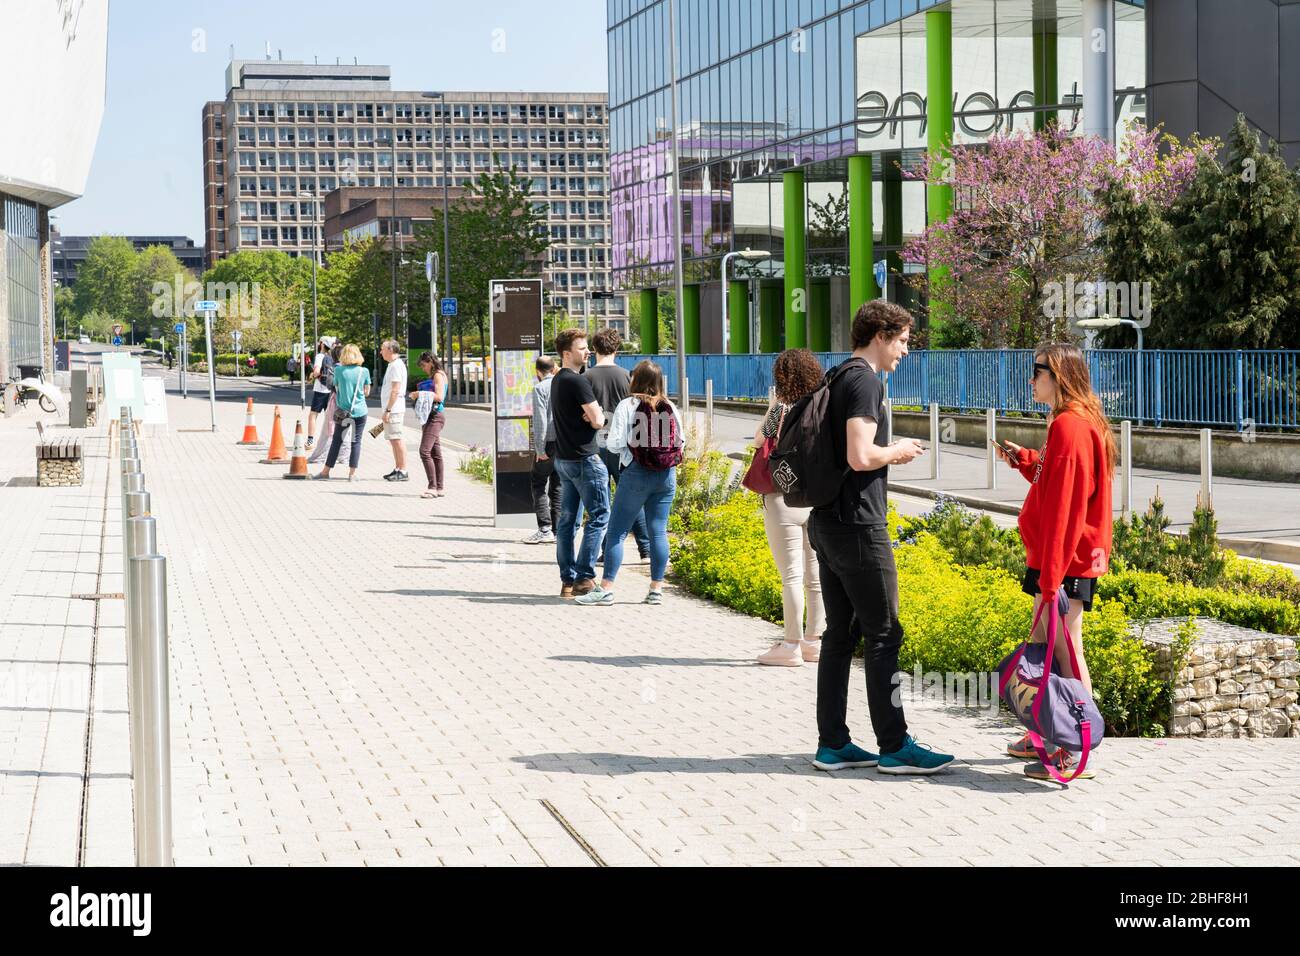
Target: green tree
point(157, 265)
point(355, 284)
point(1237, 229)
point(106, 280)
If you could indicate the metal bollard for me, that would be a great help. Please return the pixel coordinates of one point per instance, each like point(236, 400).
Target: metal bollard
point(140, 538)
point(1126, 476)
point(708, 403)
point(153, 831)
point(1207, 468)
point(686, 396)
point(936, 439)
point(130, 464)
point(991, 458)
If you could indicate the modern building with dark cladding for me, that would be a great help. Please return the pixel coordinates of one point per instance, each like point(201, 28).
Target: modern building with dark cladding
point(799, 119)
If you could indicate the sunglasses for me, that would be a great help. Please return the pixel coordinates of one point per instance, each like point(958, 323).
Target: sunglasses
point(1040, 367)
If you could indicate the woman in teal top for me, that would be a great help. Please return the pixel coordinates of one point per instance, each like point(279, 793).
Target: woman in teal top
point(351, 386)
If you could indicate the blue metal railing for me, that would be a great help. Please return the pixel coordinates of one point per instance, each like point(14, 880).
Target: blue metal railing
point(1181, 387)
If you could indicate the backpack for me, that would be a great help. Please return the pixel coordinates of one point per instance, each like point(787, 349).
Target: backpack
point(327, 372)
point(803, 463)
point(662, 445)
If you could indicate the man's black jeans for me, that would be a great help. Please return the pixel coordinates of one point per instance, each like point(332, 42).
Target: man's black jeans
point(546, 490)
point(860, 590)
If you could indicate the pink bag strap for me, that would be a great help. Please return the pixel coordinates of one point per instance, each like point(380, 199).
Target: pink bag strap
point(1085, 727)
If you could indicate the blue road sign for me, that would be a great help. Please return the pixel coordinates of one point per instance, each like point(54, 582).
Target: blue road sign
point(180, 328)
point(117, 340)
point(449, 307)
point(206, 305)
point(879, 270)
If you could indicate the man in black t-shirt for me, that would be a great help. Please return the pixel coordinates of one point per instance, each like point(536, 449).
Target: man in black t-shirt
point(584, 480)
point(855, 556)
point(610, 383)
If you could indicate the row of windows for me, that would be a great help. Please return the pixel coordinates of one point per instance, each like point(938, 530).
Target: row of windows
point(291, 185)
point(384, 160)
point(270, 135)
point(581, 231)
point(495, 112)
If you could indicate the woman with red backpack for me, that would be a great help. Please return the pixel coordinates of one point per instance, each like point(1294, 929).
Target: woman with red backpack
point(646, 433)
point(1065, 522)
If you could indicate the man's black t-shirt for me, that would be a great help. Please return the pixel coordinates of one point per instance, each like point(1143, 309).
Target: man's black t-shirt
point(610, 383)
point(574, 438)
point(858, 392)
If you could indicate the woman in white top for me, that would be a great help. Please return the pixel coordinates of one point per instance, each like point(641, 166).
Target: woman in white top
point(795, 373)
point(646, 433)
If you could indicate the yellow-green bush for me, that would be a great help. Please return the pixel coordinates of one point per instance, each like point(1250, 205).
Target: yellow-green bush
point(1147, 594)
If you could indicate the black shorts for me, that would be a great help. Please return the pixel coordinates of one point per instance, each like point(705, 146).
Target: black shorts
point(319, 401)
point(1078, 589)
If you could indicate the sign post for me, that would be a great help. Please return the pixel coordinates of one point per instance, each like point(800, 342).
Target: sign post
point(117, 335)
point(209, 309)
point(431, 273)
point(516, 309)
point(236, 335)
point(185, 355)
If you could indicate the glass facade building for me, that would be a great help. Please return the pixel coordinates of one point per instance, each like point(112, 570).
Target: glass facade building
point(20, 230)
point(799, 118)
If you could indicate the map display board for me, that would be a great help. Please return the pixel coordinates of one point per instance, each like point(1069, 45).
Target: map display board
point(516, 309)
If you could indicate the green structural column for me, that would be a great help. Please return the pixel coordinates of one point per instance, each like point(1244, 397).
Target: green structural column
point(938, 104)
point(769, 317)
point(1046, 92)
point(892, 200)
point(691, 318)
point(738, 307)
point(862, 283)
point(649, 321)
point(819, 315)
point(796, 262)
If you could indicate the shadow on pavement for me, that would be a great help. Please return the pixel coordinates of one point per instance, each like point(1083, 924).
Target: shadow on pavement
point(477, 597)
point(648, 661)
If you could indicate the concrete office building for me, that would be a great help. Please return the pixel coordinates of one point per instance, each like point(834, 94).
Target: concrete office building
point(795, 117)
point(52, 74)
point(288, 134)
point(69, 253)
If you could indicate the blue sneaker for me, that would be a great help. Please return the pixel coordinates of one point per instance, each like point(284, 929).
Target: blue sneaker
point(850, 755)
point(913, 758)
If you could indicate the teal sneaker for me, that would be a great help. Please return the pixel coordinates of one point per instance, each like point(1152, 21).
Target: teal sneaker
point(850, 755)
point(597, 597)
point(913, 758)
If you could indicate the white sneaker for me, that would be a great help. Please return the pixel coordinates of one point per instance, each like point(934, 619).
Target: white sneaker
point(782, 655)
point(540, 537)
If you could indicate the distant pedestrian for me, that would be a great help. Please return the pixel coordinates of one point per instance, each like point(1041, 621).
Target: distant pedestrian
point(352, 384)
point(610, 382)
point(855, 555)
point(392, 399)
point(171, 359)
point(646, 433)
point(795, 374)
point(321, 376)
point(584, 480)
point(433, 393)
point(1065, 522)
point(327, 433)
point(545, 482)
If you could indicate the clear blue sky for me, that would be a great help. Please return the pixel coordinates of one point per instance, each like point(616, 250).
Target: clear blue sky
point(147, 173)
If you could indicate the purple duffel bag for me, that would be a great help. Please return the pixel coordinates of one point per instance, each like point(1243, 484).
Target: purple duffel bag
point(1059, 712)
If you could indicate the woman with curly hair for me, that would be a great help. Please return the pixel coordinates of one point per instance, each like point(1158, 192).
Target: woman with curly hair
point(795, 374)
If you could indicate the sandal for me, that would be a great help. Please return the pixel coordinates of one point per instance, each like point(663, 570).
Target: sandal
point(1064, 763)
point(429, 494)
point(1022, 749)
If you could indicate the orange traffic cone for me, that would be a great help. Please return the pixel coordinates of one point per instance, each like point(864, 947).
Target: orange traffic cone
point(277, 455)
point(298, 463)
point(250, 427)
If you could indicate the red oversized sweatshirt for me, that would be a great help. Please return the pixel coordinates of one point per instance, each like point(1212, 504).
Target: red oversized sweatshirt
point(1066, 519)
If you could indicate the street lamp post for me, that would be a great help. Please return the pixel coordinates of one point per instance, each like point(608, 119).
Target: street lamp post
point(318, 226)
point(677, 205)
point(446, 223)
point(1109, 323)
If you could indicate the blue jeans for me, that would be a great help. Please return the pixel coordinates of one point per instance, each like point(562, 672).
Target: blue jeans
point(356, 429)
point(584, 484)
point(641, 489)
point(613, 465)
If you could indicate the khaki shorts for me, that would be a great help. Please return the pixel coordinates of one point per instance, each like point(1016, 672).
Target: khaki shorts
point(393, 429)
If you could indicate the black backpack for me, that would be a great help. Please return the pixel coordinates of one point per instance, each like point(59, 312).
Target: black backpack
point(327, 371)
point(803, 463)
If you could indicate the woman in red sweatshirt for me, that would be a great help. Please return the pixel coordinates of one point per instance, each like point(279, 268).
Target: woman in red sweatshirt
point(1065, 522)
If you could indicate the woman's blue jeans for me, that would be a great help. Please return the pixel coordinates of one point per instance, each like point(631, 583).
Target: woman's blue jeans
point(641, 488)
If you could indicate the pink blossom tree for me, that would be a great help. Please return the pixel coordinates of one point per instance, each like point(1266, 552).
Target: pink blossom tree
point(1026, 217)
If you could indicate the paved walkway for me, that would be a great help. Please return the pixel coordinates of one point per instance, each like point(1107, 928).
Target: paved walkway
point(363, 677)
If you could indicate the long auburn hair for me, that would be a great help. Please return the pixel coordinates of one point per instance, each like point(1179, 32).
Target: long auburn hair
point(648, 383)
point(1074, 392)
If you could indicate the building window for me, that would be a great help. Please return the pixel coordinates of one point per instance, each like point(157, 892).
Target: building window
point(365, 111)
point(265, 111)
point(325, 112)
point(245, 111)
point(306, 111)
point(384, 111)
point(248, 234)
point(404, 111)
point(347, 111)
point(284, 111)
point(268, 235)
point(423, 111)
